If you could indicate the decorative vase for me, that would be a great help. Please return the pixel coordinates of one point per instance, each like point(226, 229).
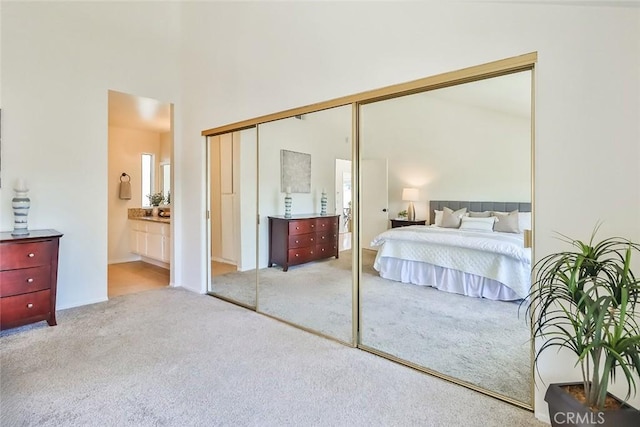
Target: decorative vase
point(323, 203)
point(287, 205)
point(21, 204)
point(155, 211)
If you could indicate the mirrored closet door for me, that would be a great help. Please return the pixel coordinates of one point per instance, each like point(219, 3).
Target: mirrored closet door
point(232, 194)
point(305, 263)
point(429, 182)
point(430, 294)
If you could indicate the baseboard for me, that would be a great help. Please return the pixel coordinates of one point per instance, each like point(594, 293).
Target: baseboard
point(122, 260)
point(223, 260)
point(543, 416)
point(81, 303)
point(156, 262)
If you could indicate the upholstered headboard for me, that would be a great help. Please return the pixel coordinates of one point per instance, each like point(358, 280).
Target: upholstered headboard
point(476, 206)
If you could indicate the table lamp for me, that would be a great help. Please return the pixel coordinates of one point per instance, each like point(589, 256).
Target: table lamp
point(410, 195)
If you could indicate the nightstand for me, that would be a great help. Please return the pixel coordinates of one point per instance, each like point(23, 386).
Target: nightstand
point(395, 223)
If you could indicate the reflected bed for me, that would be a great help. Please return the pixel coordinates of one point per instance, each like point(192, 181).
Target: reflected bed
point(468, 261)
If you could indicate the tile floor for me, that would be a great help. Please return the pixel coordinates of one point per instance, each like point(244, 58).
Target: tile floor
point(131, 277)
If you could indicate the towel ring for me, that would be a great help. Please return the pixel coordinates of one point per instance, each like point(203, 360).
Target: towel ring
point(125, 175)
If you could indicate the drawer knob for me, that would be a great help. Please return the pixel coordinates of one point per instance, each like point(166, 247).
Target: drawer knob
point(311, 252)
point(297, 254)
point(311, 239)
point(324, 225)
point(313, 225)
point(297, 228)
point(31, 255)
point(30, 305)
point(30, 280)
point(297, 241)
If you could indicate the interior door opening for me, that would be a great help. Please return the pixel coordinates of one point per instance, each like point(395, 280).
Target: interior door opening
point(140, 146)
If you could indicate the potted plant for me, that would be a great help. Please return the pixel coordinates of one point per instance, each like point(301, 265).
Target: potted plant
point(155, 199)
point(584, 300)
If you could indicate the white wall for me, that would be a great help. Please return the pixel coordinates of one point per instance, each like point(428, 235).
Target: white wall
point(587, 102)
point(59, 60)
point(125, 148)
point(248, 177)
point(448, 150)
point(310, 135)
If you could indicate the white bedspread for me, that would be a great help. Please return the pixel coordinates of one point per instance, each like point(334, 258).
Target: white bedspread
point(495, 255)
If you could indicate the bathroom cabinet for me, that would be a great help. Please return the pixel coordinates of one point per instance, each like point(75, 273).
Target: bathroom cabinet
point(150, 239)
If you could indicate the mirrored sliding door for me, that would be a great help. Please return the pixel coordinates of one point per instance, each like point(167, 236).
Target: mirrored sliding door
point(429, 182)
point(305, 263)
point(232, 191)
point(431, 294)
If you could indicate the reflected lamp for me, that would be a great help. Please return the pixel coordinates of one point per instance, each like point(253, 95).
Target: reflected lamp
point(410, 195)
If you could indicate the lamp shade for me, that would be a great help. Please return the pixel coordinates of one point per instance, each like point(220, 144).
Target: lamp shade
point(410, 194)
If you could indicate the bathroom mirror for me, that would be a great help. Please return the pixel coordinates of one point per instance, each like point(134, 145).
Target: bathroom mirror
point(232, 195)
point(420, 300)
point(165, 181)
point(305, 263)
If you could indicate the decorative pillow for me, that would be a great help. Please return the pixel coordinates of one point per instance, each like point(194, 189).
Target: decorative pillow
point(451, 219)
point(485, 214)
point(524, 221)
point(506, 223)
point(477, 223)
point(438, 219)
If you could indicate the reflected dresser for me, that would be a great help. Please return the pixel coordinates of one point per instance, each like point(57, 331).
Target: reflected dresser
point(28, 277)
point(302, 238)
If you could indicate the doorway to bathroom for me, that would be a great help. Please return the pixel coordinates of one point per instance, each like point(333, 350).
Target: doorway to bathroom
point(139, 193)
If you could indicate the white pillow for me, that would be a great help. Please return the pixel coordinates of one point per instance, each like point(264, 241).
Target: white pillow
point(451, 218)
point(438, 219)
point(524, 221)
point(477, 223)
point(506, 223)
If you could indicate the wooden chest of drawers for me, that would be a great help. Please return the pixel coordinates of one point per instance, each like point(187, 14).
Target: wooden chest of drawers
point(28, 278)
point(302, 238)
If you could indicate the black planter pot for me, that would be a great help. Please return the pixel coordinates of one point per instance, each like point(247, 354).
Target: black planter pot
point(566, 411)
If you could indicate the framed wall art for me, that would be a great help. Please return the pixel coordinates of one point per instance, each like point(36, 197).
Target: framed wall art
point(295, 172)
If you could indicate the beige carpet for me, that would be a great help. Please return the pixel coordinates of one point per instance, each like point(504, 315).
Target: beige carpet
point(479, 341)
point(169, 357)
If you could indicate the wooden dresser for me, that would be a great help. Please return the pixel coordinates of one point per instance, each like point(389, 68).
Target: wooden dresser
point(302, 238)
point(28, 277)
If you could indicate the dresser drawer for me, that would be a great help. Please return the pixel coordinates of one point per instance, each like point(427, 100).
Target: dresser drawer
point(326, 236)
point(326, 224)
point(25, 255)
point(301, 227)
point(20, 307)
point(326, 249)
point(16, 282)
point(301, 255)
point(302, 240)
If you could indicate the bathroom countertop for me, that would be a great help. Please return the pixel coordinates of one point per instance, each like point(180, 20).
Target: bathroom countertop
point(152, 219)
